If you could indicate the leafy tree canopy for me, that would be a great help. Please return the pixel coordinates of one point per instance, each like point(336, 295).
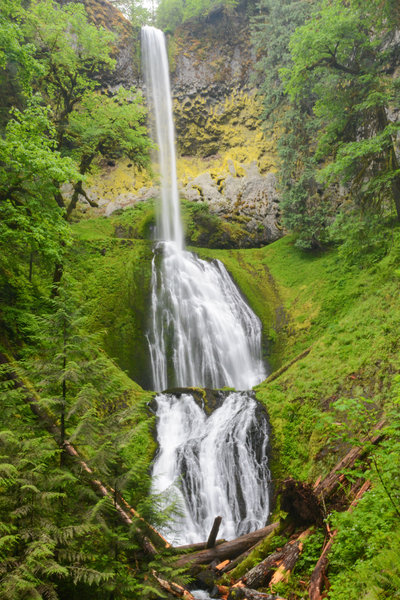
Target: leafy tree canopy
point(346, 56)
point(171, 13)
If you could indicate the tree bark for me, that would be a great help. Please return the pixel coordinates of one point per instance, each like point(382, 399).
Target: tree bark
point(173, 588)
point(196, 547)
point(227, 549)
point(277, 566)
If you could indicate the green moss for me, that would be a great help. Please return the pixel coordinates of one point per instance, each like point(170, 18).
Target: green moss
point(205, 229)
point(115, 275)
point(333, 330)
point(229, 129)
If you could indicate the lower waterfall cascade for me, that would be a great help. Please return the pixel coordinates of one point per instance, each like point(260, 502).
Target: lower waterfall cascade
point(213, 465)
point(202, 334)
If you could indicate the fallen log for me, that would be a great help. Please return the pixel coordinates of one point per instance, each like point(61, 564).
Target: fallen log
point(277, 566)
point(173, 588)
point(226, 550)
point(291, 553)
point(32, 400)
point(196, 547)
point(319, 573)
point(244, 593)
point(285, 528)
point(287, 366)
point(329, 484)
point(213, 533)
point(236, 561)
point(261, 574)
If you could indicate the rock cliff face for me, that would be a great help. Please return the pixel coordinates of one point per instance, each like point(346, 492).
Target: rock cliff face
point(216, 111)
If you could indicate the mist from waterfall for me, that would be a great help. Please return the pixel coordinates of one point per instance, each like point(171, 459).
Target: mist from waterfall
point(202, 334)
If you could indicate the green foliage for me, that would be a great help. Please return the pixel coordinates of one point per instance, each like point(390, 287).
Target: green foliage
point(57, 539)
point(344, 55)
point(31, 223)
point(171, 13)
point(303, 210)
point(136, 11)
point(51, 59)
point(365, 536)
point(363, 239)
point(109, 126)
point(272, 29)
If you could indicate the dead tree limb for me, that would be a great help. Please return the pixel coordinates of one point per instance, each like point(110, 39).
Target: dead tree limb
point(319, 572)
point(329, 484)
point(277, 566)
point(173, 588)
point(214, 532)
point(287, 366)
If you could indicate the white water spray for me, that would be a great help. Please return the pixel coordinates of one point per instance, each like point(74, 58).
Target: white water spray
point(202, 334)
point(214, 465)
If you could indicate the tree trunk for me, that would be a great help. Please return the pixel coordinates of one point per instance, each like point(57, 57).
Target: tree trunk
point(328, 485)
point(173, 588)
point(277, 566)
point(196, 547)
point(227, 549)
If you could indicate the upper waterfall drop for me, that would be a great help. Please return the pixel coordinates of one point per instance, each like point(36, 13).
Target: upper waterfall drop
point(158, 92)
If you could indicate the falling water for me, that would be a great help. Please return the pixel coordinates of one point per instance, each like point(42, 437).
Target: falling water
point(156, 74)
point(214, 465)
point(202, 334)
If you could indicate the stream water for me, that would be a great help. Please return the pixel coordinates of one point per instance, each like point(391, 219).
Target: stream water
point(202, 334)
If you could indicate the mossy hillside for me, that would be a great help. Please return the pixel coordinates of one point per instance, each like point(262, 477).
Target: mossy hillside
point(115, 276)
point(205, 229)
point(349, 319)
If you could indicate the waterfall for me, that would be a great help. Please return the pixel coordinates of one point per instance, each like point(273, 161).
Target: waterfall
point(214, 465)
point(158, 93)
point(202, 334)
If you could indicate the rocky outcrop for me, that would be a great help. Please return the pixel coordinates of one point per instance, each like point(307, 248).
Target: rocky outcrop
point(251, 200)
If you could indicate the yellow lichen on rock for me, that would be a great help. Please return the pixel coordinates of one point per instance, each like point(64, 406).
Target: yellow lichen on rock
point(228, 130)
point(120, 178)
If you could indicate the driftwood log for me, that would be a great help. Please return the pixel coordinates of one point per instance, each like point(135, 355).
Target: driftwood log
point(276, 567)
point(173, 588)
point(226, 550)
